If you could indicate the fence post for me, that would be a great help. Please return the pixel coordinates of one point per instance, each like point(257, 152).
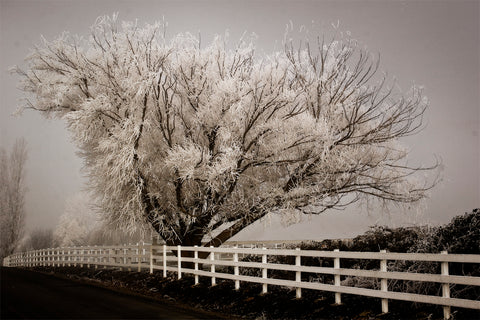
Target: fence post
point(195, 256)
point(212, 267)
point(236, 269)
point(298, 274)
point(445, 288)
point(264, 272)
point(81, 253)
point(108, 258)
point(129, 256)
point(151, 255)
point(113, 256)
point(124, 258)
point(336, 265)
point(139, 260)
point(384, 283)
point(179, 262)
point(164, 261)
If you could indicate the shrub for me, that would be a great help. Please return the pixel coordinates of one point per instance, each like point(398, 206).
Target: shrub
point(460, 236)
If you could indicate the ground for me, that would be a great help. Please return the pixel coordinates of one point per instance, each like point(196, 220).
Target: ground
point(248, 303)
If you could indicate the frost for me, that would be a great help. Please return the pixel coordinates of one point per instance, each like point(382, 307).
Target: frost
point(179, 135)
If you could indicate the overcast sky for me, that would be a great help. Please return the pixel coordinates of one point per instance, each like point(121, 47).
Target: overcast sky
point(429, 43)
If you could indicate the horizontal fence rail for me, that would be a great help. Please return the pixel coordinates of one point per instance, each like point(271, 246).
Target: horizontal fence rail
point(225, 263)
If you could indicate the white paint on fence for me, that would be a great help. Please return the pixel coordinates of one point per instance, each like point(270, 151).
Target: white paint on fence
point(129, 256)
point(384, 283)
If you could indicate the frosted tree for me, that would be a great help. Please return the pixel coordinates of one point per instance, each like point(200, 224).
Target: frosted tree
point(77, 222)
point(12, 196)
point(193, 139)
point(37, 239)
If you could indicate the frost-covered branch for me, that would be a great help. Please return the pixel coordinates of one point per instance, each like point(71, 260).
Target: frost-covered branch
point(186, 138)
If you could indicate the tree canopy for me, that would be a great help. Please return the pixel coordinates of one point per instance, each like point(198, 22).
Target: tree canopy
point(193, 138)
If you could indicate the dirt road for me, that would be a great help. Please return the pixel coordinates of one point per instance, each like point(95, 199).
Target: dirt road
point(32, 295)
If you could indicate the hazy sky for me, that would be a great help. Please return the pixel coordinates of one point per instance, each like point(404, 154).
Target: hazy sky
point(429, 43)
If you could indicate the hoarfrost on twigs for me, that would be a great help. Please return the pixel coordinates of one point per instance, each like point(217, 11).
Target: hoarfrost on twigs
point(187, 137)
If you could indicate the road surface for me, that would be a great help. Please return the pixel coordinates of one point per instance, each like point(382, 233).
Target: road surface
point(27, 294)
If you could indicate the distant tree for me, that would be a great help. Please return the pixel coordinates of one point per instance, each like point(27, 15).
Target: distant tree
point(192, 139)
point(12, 196)
point(102, 236)
point(38, 239)
point(77, 222)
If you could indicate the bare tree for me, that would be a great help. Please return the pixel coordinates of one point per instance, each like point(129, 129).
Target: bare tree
point(12, 196)
point(193, 139)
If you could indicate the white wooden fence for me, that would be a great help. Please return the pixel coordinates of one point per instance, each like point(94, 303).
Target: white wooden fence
point(160, 257)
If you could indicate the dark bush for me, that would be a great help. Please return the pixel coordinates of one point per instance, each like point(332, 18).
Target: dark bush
point(460, 236)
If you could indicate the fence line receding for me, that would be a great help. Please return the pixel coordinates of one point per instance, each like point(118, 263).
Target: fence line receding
point(226, 263)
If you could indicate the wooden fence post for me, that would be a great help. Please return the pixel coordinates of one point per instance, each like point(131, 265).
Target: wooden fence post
point(264, 272)
point(236, 269)
point(164, 261)
point(96, 256)
point(336, 265)
point(151, 255)
point(179, 261)
point(139, 256)
point(75, 257)
point(384, 283)
point(298, 274)
point(129, 256)
point(195, 256)
point(81, 252)
point(445, 288)
point(124, 258)
point(212, 267)
point(110, 252)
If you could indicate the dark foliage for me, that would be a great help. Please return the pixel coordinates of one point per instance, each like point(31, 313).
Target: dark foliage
point(460, 236)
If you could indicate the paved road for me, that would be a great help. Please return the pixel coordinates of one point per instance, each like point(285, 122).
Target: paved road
point(26, 295)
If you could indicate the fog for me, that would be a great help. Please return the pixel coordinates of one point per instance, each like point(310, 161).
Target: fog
point(434, 44)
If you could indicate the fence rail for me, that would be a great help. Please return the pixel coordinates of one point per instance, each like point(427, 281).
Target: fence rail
point(224, 263)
